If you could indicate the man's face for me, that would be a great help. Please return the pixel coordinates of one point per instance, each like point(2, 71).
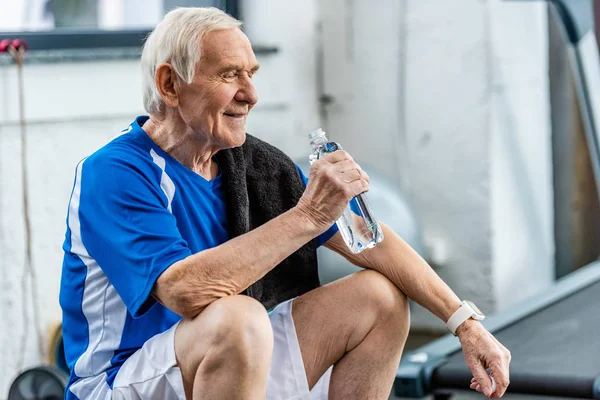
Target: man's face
point(217, 102)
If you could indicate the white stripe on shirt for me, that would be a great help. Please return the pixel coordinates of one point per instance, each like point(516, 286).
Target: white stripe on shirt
point(103, 309)
point(166, 184)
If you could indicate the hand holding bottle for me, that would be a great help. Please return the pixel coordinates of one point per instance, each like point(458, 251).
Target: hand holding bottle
point(357, 224)
point(333, 181)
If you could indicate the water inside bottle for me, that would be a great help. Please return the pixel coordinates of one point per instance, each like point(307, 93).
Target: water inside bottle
point(357, 224)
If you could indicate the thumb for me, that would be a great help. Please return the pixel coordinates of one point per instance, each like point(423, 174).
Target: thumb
point(482, 378)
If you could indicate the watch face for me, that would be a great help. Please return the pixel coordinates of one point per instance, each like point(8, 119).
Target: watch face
point(475, 308)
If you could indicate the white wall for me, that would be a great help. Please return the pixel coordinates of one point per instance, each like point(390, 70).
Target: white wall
point(129, 14)
point(287, 110)
point(17, 15)
point(363, 64)
point(521, 152)
point(447, 126)
point(424, 89)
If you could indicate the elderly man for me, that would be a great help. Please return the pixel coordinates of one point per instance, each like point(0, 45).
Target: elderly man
point(182, 226)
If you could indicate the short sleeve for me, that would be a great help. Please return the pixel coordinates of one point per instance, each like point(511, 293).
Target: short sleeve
point(328, 234)
point(126, 225)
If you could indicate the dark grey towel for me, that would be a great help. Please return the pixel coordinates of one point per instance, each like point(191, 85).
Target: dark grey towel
point(260, 183)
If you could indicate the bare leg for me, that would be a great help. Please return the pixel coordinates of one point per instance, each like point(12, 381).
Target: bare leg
point(359, 323)
point(225, 352)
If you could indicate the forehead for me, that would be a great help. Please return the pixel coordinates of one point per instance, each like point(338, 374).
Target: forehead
point(227, 46)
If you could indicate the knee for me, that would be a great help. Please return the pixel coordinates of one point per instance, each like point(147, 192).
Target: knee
point(242, 327)
point(384, 299)
point(240, 333)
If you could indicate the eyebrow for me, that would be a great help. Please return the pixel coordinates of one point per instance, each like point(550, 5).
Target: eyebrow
point(234, 67)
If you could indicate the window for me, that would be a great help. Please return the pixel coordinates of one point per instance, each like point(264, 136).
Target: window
point(75, 24)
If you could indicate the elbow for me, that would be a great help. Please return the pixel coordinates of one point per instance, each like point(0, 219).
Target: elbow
point(187, 309)
point(188, 294)
point(189, 301)
point(180, 305)
point(190, 305)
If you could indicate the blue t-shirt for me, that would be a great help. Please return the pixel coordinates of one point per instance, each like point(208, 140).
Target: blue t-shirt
point(134, 211)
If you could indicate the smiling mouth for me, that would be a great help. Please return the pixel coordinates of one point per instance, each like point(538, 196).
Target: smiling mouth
point(233, 115)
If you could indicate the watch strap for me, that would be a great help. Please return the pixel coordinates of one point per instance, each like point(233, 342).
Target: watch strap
point(464, 312)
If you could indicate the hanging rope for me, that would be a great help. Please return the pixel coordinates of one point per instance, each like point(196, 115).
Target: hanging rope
point(17, 49)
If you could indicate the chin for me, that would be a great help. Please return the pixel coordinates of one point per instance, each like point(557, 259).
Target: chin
point(237, 139)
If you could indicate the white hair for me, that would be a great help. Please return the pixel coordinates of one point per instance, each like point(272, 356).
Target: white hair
point(176, 40)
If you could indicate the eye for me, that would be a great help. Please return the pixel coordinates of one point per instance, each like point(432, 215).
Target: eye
point(230, 75)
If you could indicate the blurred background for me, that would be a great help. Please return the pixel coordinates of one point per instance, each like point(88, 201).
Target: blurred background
point(464, 112)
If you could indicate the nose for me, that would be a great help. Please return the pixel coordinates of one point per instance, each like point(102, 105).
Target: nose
point(247, 91)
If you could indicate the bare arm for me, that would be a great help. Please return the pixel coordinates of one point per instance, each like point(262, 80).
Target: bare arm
point(397, 261)
point(189, 285)
point(402, 265)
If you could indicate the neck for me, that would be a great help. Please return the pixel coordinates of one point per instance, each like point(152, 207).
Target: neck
point(190, 149)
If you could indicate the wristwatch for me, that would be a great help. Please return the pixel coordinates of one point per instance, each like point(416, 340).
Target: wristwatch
point(466, 310)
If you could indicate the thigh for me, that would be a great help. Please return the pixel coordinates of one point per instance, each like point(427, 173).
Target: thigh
point(224, 324)
point(333, 319)
point(151, 372)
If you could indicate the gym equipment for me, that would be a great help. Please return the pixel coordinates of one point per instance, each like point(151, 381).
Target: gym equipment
point(39, 383)
point(390, 205)
point(553, 337)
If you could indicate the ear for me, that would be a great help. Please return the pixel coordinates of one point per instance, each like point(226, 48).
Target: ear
point(167, 83)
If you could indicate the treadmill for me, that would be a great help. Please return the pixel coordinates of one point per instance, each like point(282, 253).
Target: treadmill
point(550, 357)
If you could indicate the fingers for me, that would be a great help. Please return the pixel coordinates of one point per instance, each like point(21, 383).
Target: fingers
point(337, 156)
point(351, 177)
point(334, 180)
point(482, 350)
point(474, 385)
point(497, 377)
point(482, 382)
point(341, 165)
point(350, 171)
point(500, 372)
point(357, 187)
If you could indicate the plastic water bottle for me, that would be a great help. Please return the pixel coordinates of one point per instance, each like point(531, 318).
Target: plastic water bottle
point(357, 224)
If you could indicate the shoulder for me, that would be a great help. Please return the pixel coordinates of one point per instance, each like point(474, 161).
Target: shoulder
point(123, 160)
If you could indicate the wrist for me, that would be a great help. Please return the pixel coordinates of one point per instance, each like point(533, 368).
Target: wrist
point(306, 220)
point(311, 218)
point(467, 311)
point(450, 307)
point(466, 327)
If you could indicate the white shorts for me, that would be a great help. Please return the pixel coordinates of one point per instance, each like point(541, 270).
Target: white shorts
point(152, 372)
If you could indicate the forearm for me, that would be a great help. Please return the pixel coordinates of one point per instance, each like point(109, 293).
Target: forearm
point(410, 272)
point(189, 285)
point(401, 264)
